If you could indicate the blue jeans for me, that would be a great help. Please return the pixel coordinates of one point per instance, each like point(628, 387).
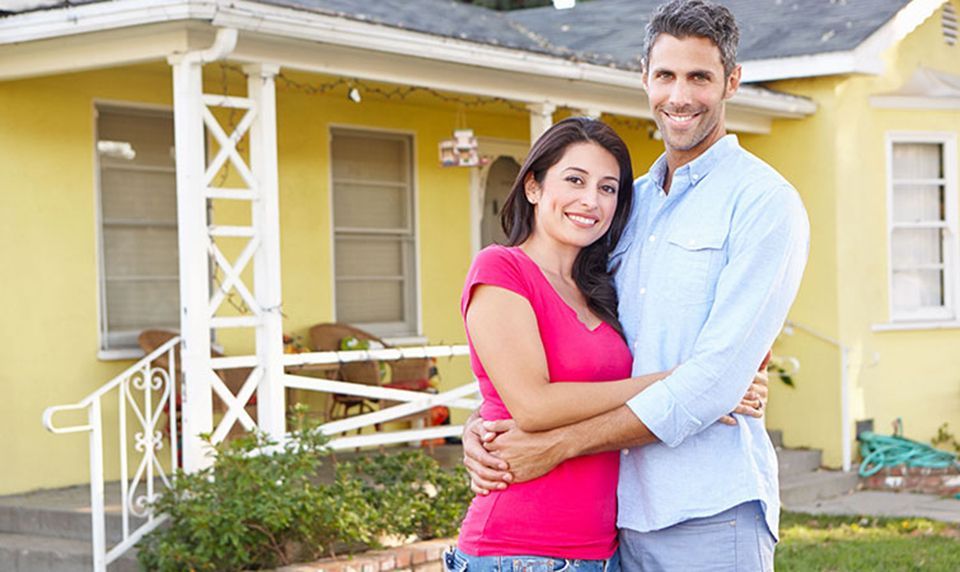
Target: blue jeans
point(736, 540)
point(456, 561)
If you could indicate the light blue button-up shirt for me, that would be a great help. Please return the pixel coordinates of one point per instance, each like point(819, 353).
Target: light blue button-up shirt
point(706, 276)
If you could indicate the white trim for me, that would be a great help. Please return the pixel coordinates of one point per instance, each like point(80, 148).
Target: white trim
point(119, 355)
point(865, 58)
point(915, 326)
point(917, 102)
point(951, 261)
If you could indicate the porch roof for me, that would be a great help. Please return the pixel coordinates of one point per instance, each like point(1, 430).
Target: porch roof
point(513, 63)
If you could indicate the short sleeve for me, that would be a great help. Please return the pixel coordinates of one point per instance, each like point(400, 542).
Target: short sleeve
point(495, 266)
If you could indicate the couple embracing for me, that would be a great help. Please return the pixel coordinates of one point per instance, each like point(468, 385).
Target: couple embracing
point(617, 337)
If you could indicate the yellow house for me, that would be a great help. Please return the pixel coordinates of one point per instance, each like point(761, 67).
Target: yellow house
point(236, 170)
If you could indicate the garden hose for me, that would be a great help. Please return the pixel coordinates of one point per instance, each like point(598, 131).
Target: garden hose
point(879, 451)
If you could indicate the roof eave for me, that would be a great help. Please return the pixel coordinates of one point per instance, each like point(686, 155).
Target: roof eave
point(269, 20)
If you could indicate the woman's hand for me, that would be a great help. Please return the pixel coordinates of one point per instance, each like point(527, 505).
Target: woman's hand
point(754, 401)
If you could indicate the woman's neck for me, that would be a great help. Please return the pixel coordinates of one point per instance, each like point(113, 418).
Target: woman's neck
point(550, 256)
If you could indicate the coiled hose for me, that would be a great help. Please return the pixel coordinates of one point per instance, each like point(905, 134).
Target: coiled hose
point(879, 451)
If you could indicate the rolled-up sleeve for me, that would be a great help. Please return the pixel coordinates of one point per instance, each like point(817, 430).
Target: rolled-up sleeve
point(767, 252)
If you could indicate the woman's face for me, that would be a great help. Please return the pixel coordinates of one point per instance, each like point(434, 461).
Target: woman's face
point(578, 197)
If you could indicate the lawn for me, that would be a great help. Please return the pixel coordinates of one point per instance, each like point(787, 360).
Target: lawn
point(835, 543)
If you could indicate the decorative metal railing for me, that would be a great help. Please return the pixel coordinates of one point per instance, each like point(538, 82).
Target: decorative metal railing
point(149, 392)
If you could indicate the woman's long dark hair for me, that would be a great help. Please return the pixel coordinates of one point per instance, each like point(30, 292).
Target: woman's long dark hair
point(517, 218)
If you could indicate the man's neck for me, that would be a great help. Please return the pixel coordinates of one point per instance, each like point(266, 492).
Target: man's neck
point(677, 158)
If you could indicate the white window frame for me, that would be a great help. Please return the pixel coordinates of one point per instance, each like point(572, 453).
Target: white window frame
point(948, 314)
point(103, 353)
point(392, 332)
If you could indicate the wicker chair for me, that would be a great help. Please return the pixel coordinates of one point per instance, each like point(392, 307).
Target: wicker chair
point(411, 374)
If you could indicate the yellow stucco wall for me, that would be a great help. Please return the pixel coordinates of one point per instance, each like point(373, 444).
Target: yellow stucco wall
point(837, 160)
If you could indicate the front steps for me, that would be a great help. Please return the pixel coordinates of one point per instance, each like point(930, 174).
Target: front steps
point(49, 531)
point(803, 481)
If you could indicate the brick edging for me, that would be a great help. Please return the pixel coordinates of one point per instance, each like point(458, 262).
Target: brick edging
point(915, 479)
point(418, 556)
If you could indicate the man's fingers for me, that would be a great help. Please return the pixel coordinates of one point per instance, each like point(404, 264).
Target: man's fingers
point(728, 420)
point(485, 472)
point(749, 410)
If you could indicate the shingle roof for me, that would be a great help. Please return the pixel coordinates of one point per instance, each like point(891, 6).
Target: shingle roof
point(608, 32)
point(612, 30)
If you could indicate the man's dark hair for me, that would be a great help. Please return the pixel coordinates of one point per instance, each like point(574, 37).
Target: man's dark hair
point(697, 18)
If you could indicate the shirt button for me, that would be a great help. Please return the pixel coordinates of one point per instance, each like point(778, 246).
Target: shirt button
point(652, 238)
point(643, 290)
point(625, 452)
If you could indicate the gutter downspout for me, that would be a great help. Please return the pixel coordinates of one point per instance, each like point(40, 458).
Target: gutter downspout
point(846, 446)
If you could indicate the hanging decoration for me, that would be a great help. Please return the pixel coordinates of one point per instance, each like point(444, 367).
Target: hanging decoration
point(462, 150)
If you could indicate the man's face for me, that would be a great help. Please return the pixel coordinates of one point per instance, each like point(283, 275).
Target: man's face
point(685, 83)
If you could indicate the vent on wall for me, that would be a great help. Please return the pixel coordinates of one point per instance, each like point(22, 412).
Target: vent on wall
point(949, 24)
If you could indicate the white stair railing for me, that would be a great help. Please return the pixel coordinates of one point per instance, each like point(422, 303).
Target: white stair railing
point(148, 392)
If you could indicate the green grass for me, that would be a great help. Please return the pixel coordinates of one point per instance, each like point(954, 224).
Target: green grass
point(841, 543)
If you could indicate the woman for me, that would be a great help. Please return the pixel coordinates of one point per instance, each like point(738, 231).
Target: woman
point(548, 350)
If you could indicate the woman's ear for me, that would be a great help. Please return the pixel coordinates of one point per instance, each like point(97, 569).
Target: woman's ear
point(532, 189)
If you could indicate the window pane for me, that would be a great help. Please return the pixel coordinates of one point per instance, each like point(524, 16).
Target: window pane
point(149, 133)
point(918, 203)
point(366, 256)
point(138, 195)
point(370, 157)
point(370, 301)
point(917, 161)
point(370, 206)
point(912, 247)
point(917, 289)
point(138, 201)
point(139, 305)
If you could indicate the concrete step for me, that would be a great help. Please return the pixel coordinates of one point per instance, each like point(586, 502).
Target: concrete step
point(798, 461)
point(28, 553)
point(66, 523)
point(776, 437)
point(803, 488)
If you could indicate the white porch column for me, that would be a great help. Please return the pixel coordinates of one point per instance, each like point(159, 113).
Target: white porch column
point(194, 264)
point(541, 118)
point(271, 406)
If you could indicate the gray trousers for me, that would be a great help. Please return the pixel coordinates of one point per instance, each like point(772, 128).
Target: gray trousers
point(736, 540)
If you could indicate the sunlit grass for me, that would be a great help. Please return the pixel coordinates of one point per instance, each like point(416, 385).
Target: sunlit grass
point(841, 543)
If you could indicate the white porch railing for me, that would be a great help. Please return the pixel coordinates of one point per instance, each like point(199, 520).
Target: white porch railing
point(158, 386)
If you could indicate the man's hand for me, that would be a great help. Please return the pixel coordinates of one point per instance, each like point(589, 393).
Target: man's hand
point(487, 472)
point(754, 401)
point(529, 455)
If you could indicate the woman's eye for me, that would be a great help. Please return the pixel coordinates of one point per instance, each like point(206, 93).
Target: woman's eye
point(609, 189)
point(574, 179)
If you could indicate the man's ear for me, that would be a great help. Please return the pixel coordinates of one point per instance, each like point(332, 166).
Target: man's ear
point(532, 189)
point(644, 79)
point(733, 82)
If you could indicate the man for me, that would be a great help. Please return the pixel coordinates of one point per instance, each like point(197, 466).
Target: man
point(706, 272)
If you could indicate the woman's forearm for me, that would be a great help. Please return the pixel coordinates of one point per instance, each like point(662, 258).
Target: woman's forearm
point(551, 405)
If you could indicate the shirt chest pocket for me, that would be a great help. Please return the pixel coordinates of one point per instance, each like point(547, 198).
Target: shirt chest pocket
point(692, 264)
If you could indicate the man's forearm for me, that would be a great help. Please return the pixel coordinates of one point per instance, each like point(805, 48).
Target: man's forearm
point(616, 429)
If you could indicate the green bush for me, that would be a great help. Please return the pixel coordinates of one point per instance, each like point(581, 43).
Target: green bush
point(257, 509)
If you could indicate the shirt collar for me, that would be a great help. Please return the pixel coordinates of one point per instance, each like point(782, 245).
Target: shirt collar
point(695, 170)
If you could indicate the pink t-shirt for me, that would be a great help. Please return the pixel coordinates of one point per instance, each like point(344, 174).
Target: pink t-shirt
point(571, 511)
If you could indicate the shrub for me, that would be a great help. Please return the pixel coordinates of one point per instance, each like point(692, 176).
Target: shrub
point(262, 506)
